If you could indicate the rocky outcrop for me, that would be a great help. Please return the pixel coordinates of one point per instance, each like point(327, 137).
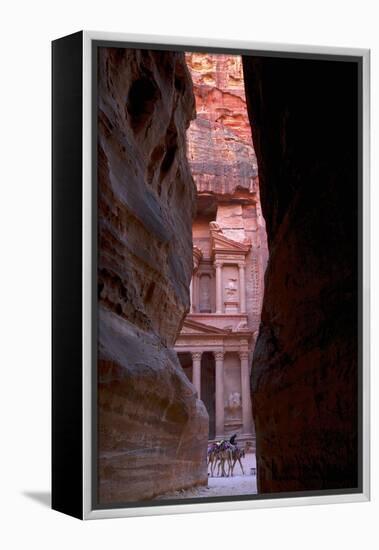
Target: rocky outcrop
point(220, 149)
point(224, 165)
point(152, 429)
point(304, 377)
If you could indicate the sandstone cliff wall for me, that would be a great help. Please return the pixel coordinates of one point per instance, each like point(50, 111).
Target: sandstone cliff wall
point(220, 149)
point(152, 429)
point(304, 376)
point(224, 164)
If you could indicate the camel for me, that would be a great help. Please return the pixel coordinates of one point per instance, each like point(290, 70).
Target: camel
point(237, 455)
point(212, 458)
point(224, 457)
point(220, 454)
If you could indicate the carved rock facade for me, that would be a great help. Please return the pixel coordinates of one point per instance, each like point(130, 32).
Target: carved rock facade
point(230, 251)
point(152, 429)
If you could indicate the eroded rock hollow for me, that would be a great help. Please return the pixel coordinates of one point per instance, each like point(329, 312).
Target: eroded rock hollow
point(153, 430)
point(304, 378)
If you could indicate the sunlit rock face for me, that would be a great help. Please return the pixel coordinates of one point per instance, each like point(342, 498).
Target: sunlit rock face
point(224, 167)
point(220, 148)
point(152, 429)
point(304, 375)
point(230, 246)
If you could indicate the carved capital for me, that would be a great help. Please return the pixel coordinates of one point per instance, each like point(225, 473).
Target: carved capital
point(244, 355)
point(197, 254)
point(219, 355)
point(196, 356)
point(218, 263)
point(214, 226)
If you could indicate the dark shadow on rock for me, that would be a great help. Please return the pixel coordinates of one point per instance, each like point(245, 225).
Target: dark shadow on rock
point(42, 497)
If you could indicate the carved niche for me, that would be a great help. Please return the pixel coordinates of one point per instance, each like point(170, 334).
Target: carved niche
point(233, 407)
point(231, 295)
point(205, 293)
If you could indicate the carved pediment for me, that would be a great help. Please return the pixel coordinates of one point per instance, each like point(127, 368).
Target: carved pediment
point(223, 244)
point(194, 327)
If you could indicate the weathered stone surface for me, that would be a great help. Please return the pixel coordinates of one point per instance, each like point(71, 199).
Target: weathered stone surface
point(152, 428)
point(224, 167)
point(304, 377)
point(220, 149)
point(223, 164)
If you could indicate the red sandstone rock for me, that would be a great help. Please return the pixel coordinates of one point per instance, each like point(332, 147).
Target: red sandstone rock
point(220, 149)
point(304, 376)
point(224, 166)
point(152, 429)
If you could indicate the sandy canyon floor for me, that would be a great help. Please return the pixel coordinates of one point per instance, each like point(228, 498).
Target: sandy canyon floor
point(239, 484)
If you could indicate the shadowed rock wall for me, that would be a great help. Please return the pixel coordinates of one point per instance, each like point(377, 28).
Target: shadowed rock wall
point(152, 429)
point(304, 377)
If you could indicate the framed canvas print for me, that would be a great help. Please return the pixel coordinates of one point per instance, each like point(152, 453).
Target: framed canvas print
point(210, 275)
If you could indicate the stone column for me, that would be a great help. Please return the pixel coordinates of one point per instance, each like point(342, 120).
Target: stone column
point(218, 287)
point(191, 295)
point(246, 398)
point(241, 268)
point(195, 301)
point(220, 428)
point(196, 371)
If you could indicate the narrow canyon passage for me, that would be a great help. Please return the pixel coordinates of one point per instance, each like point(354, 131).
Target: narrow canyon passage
point(195, 334)
point(229, 239)
point(184, 124)
point(216, 343)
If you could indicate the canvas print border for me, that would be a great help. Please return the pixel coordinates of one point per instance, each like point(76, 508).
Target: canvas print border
point(91, 40)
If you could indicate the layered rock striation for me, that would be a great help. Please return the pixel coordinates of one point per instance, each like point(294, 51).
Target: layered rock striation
point(220, 149)
point(152, 429)
point(305, 368)
point(224, 166)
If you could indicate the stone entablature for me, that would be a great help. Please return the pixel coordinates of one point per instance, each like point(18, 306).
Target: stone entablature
point(236, 322)
point(193, 338)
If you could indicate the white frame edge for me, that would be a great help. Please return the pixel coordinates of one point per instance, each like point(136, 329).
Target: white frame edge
point(88, 512)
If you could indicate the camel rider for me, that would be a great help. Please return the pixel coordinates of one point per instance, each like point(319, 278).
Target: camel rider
point(223, 443)
point(232, 440)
